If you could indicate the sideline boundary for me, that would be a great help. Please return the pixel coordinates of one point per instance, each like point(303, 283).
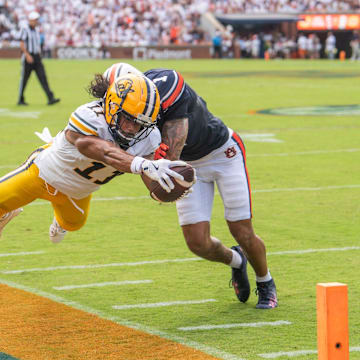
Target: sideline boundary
point(152, 331)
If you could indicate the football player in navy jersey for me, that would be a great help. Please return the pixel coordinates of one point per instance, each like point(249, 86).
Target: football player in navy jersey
point(191, 133)
point(217, 153)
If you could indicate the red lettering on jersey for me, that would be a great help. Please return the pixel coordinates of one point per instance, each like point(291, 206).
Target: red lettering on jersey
point(230, 152)
point(175, 93)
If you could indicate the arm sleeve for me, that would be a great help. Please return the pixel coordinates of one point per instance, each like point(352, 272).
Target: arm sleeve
point(22, 34)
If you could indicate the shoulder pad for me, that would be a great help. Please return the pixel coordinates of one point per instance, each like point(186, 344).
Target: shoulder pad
point(87, 119)
point(170, 84)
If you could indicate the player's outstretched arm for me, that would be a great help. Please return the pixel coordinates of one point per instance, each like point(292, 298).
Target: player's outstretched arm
point(101, 150)
point(110, 154)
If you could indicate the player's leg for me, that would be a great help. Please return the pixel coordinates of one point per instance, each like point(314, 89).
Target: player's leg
point(41, 74)
point(26, 69)
point(194, 212)
point(18, 188)
point(69, 214)
point(234, 187)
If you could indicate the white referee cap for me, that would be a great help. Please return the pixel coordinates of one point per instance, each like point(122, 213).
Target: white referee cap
point(34, 15)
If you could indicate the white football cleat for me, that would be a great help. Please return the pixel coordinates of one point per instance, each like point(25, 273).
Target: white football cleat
point(7, 217)
point(56, 232)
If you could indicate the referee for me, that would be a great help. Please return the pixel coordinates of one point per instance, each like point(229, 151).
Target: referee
point(30, 46)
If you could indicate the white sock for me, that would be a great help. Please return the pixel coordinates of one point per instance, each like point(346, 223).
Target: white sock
point(265, 278)
point(236, 260)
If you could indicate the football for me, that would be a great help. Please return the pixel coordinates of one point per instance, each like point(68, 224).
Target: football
point(181, 186)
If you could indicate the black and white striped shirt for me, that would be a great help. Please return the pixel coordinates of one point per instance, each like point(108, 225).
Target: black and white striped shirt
point(31, 38)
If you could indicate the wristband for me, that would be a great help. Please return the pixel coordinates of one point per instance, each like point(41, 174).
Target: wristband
point(135, 166)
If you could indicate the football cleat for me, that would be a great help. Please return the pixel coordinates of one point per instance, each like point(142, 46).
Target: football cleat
point(7, 217)
point(240, 280)
point(267, 295)
point(56, 232)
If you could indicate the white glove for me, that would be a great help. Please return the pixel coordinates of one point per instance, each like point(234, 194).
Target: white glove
point(158, 170)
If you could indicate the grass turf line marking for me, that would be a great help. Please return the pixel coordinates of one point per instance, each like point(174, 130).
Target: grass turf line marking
point(23, 253)
point(288, 354)
point(314, 152)
point(161, 304)
point(229, 326)
point(204, 348)
point(335, 187)
point(94, 266)
point(298, 353)
point(121, 198)
point(68, 267)
point(109, 283)
point(307, 251)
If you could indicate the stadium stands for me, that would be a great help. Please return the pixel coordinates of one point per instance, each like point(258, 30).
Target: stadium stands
point(103, 23)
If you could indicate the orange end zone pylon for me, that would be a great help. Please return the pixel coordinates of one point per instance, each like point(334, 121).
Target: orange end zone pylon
point(332, 321)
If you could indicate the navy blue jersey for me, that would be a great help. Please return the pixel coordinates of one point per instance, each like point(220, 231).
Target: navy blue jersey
point(179, 100)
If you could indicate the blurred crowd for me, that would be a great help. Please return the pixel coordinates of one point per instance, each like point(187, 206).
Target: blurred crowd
point(275, 45)
point(104, 23)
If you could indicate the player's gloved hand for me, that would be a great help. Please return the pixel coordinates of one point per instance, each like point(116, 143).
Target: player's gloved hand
point(158, 170)
point(160, 152)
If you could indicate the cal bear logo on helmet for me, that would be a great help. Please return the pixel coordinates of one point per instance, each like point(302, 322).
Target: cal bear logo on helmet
point(123, 87)
point(135, 98)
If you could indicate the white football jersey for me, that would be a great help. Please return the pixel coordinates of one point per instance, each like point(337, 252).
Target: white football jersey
point(62, 166)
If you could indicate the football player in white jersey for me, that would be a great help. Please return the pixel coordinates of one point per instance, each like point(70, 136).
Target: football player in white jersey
point(115, 134)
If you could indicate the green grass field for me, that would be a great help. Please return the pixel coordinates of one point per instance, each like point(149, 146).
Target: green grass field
point(306, 197)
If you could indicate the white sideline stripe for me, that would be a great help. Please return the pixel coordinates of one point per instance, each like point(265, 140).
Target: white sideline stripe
point(94, 266)
point(288, 354)
point(67, 267)
point(305, 153)
point(335, 187)
point(298, 353)
point(120, 198)
point(161, 304)
point(109, 283)
point(315, 152)
point(229, 326)
point(23, 253)
point(306, 251)
point(153, 331)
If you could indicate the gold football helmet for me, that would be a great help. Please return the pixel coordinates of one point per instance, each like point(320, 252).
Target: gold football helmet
point(134, 98)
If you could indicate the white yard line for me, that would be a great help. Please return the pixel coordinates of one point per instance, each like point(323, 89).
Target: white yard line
point(320, 188)
point(96, 266)
point(161, 304)
point(335, 187)
point(121, 321)
point(298, 353)
point(109, 283)
point(315, 152)
point(229, 326)
point(154, 262)
point(23, 253)
point(287, 353)
point(307, 251)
